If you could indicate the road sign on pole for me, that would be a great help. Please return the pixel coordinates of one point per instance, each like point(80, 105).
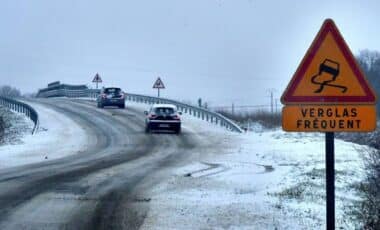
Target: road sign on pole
point(97, 79)
point(329, 74)
point(158, 85)
point(329, 93)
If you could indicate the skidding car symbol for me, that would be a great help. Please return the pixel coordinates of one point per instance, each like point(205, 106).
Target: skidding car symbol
point(331, 68)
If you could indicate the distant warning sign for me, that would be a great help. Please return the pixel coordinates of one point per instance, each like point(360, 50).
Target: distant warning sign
point(158, 84)
point(97, 78)
point(328, 73)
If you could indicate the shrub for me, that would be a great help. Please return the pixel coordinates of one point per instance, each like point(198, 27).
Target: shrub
point(368, 210)
point(266, 119)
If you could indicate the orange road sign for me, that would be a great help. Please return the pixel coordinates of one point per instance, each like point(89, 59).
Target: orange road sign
point(325, 118)
point(328, 74)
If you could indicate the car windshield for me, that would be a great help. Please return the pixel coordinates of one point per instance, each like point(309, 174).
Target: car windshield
point(164, 110)
point(112, 90)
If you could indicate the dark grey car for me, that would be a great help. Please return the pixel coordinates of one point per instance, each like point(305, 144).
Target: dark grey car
point(111, 97)
point(163, 117)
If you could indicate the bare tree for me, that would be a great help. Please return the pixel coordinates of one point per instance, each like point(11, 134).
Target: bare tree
point(8, 91)
point(367, 59)
point(370, 63)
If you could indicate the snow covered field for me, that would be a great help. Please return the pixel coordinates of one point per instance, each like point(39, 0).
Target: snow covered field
point(58, 136)
point(263, 180)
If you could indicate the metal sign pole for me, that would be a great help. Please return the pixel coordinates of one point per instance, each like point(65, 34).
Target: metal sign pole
point(330, 182)
point(158, 92)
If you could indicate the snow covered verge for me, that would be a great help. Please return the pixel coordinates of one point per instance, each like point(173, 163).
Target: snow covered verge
point(13, 126)
point(58, 136)
point(260, 180)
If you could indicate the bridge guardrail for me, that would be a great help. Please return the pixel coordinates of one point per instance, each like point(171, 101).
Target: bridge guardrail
point(21, 107)
point(201, 113)
point(70, 93)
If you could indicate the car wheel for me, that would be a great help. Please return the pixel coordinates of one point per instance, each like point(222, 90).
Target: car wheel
point(177, 130)
point(147, 129)
point(122, 106)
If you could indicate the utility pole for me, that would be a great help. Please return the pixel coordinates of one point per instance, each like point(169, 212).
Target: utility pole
point(276, 100)
point(271, 102)
point(271, 92)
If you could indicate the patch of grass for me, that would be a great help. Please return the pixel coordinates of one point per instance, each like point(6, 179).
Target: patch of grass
point(321, 173)
point(294, 192)
point(266, 119)
point(298, 191)
point(12, 126)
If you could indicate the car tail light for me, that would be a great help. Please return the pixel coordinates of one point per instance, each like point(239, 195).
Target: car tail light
point(176, 117)
point(152, 116)
point(122, 95)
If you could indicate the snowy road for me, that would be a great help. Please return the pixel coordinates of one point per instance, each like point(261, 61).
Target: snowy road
point(104, 172)
point(102, 186)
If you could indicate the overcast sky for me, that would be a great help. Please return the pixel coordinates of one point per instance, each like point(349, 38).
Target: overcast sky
point(221, 50)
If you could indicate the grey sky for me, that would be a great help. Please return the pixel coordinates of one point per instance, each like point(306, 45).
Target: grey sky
point(221, 50)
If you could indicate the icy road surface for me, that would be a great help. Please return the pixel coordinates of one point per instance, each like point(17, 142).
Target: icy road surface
point(102, 182)
point(104, 172)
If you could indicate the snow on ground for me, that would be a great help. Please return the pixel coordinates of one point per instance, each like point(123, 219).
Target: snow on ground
point(14, 126)
point(58, 136)
point(261, 180)
point(255, 180)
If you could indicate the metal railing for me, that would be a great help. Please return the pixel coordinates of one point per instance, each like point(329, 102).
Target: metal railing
point(70, 93)
point(198, 112)
point(21, 107)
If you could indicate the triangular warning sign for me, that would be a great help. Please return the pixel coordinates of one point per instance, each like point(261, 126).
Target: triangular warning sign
point(97, 78)
point(328, 74)
point(159, 84)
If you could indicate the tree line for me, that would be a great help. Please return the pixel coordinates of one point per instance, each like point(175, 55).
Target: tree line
point(9, 91)
point(370, 63)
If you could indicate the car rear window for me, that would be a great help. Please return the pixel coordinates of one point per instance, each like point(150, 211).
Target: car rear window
point(164, 110)
point(112, 90)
